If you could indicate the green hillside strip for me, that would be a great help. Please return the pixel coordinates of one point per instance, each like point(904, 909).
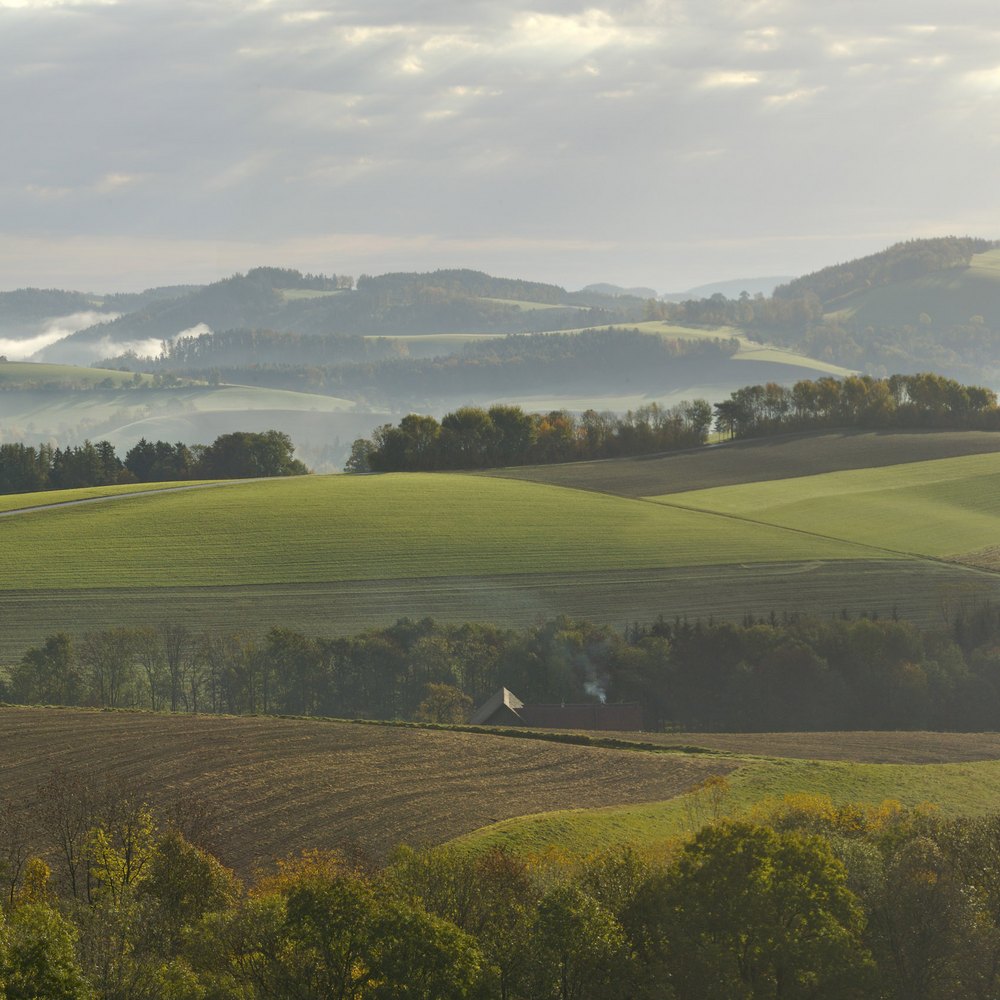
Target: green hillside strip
point(935, 509)
point(326, 528)
point(779, 356)
point(958, 789)
point(32, 374)
point(48, 498)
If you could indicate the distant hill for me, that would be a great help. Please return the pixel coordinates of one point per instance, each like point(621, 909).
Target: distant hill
point(923, 305)
point(900, 262)
point(285, 301)
point(731, 289)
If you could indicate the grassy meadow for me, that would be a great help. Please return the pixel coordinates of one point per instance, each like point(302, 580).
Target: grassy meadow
point(328, 528)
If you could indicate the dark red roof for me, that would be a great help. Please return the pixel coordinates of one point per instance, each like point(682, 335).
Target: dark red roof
point(622, 718)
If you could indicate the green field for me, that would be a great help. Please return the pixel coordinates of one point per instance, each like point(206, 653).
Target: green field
point(292, 294)
point(940, 509)
point(526, 306)
point(970, 788)
point(17, 374)
point(330, 528)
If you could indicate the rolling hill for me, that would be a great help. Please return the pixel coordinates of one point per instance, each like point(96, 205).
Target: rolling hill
point(275, 787)
point(280, 786)
point(332, 555)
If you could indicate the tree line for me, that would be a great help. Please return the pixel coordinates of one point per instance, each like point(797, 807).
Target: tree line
point(105, 897)
point(238, 455)
point(780, 673)
point(475, 438)
point(922, 400)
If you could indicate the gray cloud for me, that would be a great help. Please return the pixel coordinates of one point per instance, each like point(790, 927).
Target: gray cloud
point(662, 142)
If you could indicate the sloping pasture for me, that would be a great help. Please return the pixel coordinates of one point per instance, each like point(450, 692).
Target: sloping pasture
point(940, 509)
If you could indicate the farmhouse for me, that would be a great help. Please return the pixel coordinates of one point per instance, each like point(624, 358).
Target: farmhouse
point(506, 709)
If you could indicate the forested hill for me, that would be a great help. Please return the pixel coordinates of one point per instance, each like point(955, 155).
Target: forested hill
point(391, 304)
point(32, 305)
point(900, 262)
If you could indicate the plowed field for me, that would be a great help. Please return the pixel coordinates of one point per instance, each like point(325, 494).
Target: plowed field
point(284, 785)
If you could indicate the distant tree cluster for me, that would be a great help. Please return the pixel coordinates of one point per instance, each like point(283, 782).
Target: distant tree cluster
point(922, 400)
point(239, 455)
point(776, 674)
point(474, 438)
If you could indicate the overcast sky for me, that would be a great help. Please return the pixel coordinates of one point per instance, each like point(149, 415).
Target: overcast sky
point(664, 143)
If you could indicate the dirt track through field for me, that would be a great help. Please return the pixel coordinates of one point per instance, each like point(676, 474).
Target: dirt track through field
point(281, 786)
point(62, 504)
point(861, 747)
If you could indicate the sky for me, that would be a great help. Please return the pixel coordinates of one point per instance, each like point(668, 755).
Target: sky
point(664, 143)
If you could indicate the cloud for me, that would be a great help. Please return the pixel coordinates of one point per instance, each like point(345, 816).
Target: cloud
point(724, 78)
point(387, 133)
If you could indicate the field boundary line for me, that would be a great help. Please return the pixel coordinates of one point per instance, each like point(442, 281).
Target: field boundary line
point(916, 556)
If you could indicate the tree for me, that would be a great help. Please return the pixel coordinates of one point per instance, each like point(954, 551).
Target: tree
point(577, 947)
point(443, 703)
point(38, 956)
point(48, 675)
point(247, 455)
point(750, 912)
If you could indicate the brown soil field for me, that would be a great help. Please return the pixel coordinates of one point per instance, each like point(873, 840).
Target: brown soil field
point(784, 457)
point(921, 592)
point(280, 786)
point(860, 747)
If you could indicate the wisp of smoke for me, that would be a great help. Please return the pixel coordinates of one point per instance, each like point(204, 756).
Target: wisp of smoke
point(595, 691)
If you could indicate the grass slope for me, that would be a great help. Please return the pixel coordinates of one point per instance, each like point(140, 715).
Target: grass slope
point(284, 785)
point(776, 458)
point(968, 788)
point(940, 509)
point(338, 528)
